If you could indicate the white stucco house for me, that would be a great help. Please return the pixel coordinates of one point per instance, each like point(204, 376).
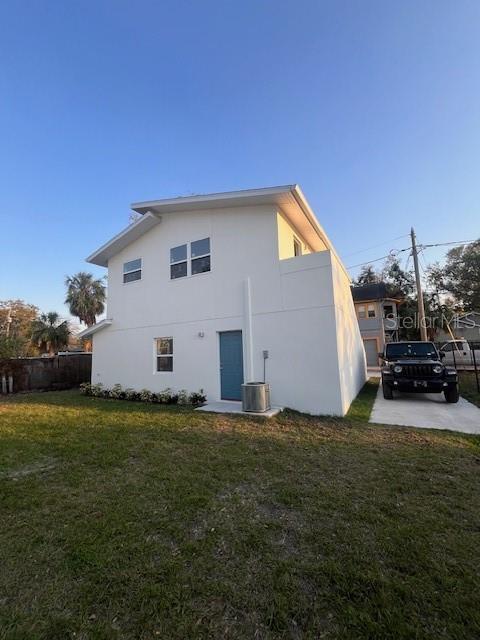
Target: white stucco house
point(210, 291)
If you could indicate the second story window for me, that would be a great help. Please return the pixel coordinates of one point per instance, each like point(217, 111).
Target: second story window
point(132, 270)
point(200, 255)
point(388, 311)
point(297, 247)
point(371, 311)
point(178, 262)
point(196, 253)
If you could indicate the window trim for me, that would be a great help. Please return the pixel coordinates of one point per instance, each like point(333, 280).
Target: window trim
point(125, 273)
point(157, 355)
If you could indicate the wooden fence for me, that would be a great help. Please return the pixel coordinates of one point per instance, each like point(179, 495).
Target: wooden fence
point(44, 374)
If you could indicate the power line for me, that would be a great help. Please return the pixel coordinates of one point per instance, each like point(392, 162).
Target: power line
point(445, 244)
point(393, 252)
point(380, 244)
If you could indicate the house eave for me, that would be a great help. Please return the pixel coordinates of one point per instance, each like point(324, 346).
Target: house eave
point(131, 233)
point(95, 328)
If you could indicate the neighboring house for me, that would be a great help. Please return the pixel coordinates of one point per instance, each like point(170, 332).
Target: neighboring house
point(377, 318)
point(211, 291)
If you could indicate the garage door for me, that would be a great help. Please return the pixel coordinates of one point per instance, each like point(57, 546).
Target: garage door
point(371, 352)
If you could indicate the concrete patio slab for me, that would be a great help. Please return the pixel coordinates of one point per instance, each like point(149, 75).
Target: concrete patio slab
point(426, 410)
point(225, 406)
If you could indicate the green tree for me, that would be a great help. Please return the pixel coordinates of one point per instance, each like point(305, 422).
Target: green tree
point(16, 318)
point(85, 297)
point(397, 279)
point(49, 333)
point(367, 275)
point(460, 275)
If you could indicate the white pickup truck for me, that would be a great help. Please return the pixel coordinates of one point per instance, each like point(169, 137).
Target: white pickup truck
point(459, 353)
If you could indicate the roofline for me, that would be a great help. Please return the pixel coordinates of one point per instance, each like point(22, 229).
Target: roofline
point(142, 207)
point(264, 195)
point(89, 331)
point(115, 244)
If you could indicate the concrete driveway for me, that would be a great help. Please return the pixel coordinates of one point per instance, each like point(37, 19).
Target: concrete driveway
point(426, 410)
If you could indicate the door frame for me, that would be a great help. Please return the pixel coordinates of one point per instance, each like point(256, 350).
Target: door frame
point(220, 364)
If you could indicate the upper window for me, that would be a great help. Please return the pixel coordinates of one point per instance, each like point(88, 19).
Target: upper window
point(388, 311)
point(197, 253)
point(164, 354)
point(297, 247)
point(178, 261)
point(361, 311)
point(200, 255)
point(371, 311)
point(132, 270)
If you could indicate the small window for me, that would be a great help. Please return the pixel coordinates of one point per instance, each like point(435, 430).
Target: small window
point(388, 311)
point(361, 311)
point(164, 354)
point(371, 311)
point(132, 270)
point(178, 262)
point(297, 247)
point(200, 255)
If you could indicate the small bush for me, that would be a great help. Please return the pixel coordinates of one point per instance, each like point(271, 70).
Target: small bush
point(197, 398)
point(131, 394)
point(86, 389)
point(146, 395)
point(167, 396)
point(97, 390)
point(116, 392)
point(182, 396)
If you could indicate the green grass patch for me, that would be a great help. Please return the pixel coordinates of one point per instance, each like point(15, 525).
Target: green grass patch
point(468, 386)
point(362, 406)
point(126, 521)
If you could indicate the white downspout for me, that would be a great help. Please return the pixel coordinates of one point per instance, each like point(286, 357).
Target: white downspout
point(249, 375)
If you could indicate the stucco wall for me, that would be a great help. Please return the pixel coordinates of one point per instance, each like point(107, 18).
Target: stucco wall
point(290, 312)
point(350, 350)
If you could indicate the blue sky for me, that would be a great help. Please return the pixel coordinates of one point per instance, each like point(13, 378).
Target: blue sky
point(371, 106)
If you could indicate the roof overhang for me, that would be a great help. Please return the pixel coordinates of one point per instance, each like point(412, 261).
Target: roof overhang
point(95, 328)
point(123, 239)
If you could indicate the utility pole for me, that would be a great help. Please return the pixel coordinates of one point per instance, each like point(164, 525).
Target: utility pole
point(421, 307)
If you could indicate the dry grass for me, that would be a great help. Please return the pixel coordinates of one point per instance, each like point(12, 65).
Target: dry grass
point(124, 521)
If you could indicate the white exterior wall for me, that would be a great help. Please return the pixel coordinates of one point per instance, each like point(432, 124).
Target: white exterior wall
point(288, 309)
point(352, 364)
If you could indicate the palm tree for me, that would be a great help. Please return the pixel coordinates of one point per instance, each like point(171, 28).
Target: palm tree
point(50, 333)
point(85, 297)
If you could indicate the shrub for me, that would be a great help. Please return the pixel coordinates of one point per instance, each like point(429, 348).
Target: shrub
point(182, 396)
point(97, 390)
point(197, 398)
point(167, 396)
point(146, 395)
point(86, 389)
point(116, 392)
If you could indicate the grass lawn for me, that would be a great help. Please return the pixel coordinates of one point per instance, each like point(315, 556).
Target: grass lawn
point(468, 386)
point(125, 521)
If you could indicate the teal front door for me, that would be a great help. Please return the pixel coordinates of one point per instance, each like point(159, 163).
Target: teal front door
point(231, 365)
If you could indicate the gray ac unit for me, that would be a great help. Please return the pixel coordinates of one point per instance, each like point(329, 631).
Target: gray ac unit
point(256, 396)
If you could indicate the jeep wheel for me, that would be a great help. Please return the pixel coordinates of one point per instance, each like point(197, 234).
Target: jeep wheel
point(451, 394)
point(387, 391)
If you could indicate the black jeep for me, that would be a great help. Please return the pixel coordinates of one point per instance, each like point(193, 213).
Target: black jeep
point(417, 367)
